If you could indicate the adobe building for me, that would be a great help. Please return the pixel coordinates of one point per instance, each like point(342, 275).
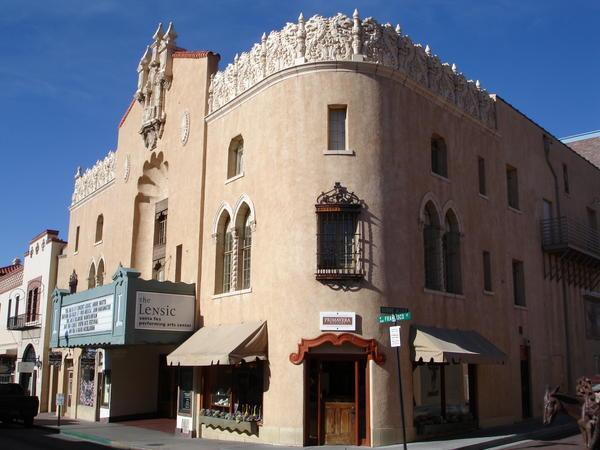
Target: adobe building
point(334, 170)
point(25, 311)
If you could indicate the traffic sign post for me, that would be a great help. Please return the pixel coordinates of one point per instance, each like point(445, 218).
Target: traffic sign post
point(60, 401)
point(393, 314)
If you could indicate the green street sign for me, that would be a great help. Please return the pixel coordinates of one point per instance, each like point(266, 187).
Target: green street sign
point(389, 318)
point(392, 310)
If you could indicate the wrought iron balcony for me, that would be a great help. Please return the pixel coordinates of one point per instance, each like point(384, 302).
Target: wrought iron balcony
point(24, 322)
point(563, 234)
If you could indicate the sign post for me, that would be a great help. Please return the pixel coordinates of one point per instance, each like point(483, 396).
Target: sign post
point(397, 314)
point(60, 401)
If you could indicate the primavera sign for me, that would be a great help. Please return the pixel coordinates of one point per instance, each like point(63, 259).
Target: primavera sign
point(164, 312)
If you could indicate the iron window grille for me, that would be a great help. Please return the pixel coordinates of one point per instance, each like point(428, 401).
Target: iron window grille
point(338, 235)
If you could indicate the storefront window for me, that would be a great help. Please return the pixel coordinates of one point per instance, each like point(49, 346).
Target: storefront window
point(186, 386)
point(86, 385)
point(442, 395)
point(235, 390)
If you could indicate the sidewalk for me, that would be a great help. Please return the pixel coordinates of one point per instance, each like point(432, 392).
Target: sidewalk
point(122, 435)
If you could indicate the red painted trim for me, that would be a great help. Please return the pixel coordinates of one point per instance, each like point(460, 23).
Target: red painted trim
point(369, 346)
point(126, 113)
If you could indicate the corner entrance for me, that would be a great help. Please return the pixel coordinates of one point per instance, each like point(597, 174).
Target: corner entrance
point(336, 377)
point(336, 409)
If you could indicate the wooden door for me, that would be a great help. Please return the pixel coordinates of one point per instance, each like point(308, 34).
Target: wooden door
point(340, 420)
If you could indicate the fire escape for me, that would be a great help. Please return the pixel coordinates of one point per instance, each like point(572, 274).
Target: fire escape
point(571, 252)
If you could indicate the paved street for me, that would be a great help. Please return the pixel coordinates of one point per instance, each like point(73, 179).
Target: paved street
point(569, 443)
point(16, 437)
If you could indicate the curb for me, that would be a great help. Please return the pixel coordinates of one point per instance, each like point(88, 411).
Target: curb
point(550, 433)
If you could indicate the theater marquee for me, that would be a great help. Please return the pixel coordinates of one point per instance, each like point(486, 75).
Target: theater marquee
point(164, 312)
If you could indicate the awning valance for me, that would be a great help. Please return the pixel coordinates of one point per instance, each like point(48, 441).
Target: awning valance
point(222, 344)
point(441, 345)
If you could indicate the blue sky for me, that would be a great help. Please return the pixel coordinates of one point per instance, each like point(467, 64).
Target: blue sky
point(68, 72)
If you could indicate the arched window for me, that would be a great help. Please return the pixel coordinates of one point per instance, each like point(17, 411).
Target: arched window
point(235, 162)
point(451, 254)
point(99, 228)
point(245, 251)
point(224, 256)
point(100, 273)
point(432, 248)
point(92, 277)
point(439, 156)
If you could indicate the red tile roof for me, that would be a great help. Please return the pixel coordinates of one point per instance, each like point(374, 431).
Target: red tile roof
point(12, 279)
point(9, 269)
point(194, 54)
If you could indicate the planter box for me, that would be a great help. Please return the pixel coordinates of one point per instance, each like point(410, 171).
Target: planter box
point(226, 424)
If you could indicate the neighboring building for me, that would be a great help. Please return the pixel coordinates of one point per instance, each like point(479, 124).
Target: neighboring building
point(25, 310)
point(334, 169)
point(586, 144)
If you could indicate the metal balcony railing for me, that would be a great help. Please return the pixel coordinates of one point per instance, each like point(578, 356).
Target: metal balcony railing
point(563, 233)
point(24, 322)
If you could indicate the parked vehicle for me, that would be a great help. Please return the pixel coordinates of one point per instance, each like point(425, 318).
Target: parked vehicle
point(15, 404)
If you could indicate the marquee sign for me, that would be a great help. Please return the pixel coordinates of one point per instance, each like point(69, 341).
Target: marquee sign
point(164, 312)
point(90, 316)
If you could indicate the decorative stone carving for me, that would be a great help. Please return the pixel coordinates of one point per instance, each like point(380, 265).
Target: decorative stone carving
point(341, 38)
point(184, 131)
point(127, 168)
point(155, 73)
point(93, 179)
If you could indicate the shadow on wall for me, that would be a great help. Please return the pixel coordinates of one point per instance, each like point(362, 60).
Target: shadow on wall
point(153, 186)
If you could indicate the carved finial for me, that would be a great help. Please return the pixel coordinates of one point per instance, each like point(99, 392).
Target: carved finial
point(159, 33)
point(454, 68)
point(78, 172)
point(398, 29)
point(356, 35)
point(300, 40)
point(263, 38)
point(237, 57)
point(477, 84)
point(170, 33)
point(427, 50)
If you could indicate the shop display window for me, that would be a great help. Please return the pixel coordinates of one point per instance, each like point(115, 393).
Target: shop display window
point(442, 395)
point(186, 389)
point(235, 392)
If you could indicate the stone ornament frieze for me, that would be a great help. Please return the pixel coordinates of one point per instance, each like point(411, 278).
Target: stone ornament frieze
point(94, 178)
point(155, 73)
point(341, 38)
point(127, 168)
point(184, 131)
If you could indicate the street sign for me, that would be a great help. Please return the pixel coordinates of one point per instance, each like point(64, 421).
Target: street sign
point(395, 336)
point(392, 310)
point(389, 318)
point(60, 399)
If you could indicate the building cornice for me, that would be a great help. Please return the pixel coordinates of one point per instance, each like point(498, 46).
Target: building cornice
point(341, 39)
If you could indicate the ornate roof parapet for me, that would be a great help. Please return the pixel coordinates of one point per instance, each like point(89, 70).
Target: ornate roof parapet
point(94, 178)
point(155, 73)
point(341, 38)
